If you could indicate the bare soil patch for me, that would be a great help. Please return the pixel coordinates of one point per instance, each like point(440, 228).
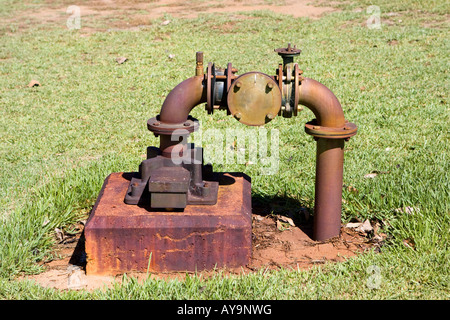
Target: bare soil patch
point(103, 15)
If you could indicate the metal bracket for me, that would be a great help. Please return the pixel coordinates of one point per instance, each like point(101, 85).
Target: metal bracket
point(162, 184)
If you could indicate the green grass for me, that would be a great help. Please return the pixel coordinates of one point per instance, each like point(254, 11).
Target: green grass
point(59, 141)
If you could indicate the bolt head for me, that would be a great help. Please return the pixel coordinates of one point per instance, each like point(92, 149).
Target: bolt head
point(270, 116)
point(238, 84)
point(238, 115)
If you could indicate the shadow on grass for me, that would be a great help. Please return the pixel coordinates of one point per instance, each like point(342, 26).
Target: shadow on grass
point(78, 257)
point(287, 207)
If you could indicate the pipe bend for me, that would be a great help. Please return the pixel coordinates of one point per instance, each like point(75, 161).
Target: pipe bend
point(182, 99)
point(322, 102)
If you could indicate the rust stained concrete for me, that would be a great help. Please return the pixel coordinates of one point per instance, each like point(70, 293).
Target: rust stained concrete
point(122, 238)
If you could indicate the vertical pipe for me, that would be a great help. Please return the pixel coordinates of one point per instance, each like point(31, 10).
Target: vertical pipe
point(329, 159)
point(328, 188)
point(171, 145)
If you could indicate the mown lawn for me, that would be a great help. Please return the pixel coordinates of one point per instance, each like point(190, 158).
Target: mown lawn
point(59, 141)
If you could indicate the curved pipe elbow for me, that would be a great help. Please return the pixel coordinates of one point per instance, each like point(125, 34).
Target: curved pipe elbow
point(182, 99)
point(312, 94)
point(322, 102)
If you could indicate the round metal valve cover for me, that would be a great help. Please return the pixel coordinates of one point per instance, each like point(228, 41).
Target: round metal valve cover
point(254, 98)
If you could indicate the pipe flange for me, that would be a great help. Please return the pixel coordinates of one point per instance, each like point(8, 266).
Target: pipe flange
point(279, 78)
point(296, 88)
point(254, 99)
point(229, 74)
point(312, 128)
point(289, 51)
point(210, 87)
point(161, 128)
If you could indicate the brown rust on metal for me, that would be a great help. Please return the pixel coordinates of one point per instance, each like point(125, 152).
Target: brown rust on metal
point(254, 98)
point(328, 188)
point(173, 136)
point(163, 128)
point(182, 99)
point(296, 89)
point(210, 87)
point(199, 64)
point(322, 102)
point(330, 129)
point(122, 238)
point(175, 111)
point(289, 51)
point(349, 130)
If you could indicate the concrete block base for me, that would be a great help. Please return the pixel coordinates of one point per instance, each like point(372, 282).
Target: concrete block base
point(123, 238)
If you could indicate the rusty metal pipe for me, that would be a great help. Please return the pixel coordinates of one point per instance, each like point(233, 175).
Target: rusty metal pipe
point(329, 162)
point(177, 106)
point(322, 102)
point(328, 188)
point(329, 158)
point(182, 99)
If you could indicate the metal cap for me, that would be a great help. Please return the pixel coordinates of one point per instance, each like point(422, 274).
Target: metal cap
point(289, 51)
point(254, 98)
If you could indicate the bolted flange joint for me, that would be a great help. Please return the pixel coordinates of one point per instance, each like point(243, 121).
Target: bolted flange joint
point(161, 128)
point(318, 131)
